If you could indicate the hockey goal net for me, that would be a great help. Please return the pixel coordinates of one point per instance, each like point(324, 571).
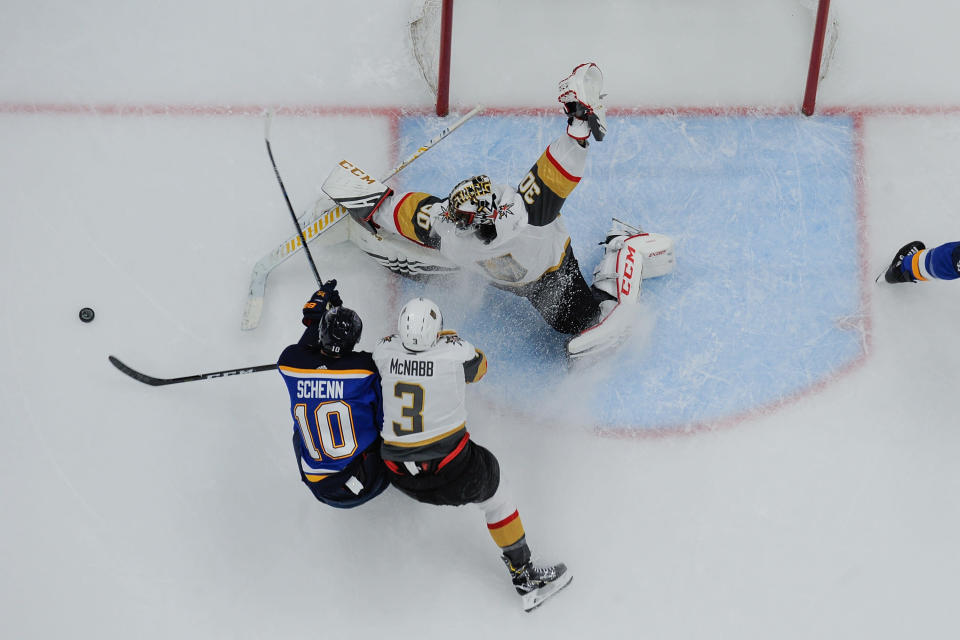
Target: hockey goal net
point(431, 24)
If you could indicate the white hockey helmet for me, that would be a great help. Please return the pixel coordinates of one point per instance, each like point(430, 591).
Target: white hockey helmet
point(420, 324)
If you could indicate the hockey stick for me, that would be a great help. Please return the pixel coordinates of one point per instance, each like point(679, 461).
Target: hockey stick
point(325, 214)
point(276, 172)
point(158, 382)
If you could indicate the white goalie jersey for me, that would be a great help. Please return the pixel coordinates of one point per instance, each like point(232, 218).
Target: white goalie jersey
point(424, 413)
point(531, 238)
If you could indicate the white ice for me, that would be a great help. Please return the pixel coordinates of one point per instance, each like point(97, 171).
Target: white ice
point(134, 180)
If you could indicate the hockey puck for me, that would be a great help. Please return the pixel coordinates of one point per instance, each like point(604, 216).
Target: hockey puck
point(86, 314)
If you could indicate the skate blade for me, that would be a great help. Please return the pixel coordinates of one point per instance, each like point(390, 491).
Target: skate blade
point(636, 230)
point(537, 597)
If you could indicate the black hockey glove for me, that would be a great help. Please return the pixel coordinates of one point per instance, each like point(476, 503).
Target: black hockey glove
point(326, 297)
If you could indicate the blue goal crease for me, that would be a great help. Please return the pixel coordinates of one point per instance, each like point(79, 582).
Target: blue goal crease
point(763, 213)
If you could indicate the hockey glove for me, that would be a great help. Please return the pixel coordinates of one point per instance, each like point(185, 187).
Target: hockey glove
point(582, 121)
point(583, 103)
point(326, 297)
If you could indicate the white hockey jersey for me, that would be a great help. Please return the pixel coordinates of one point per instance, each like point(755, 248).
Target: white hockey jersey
point(424, 413)
point(531, 237)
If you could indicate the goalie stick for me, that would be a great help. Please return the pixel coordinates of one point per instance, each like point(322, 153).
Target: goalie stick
point(325, 214)
point(158, 382)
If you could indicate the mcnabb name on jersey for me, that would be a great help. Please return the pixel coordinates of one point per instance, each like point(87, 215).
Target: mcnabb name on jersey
point(422, 368)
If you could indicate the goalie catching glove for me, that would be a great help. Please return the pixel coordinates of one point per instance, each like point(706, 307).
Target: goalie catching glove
point(582, 102)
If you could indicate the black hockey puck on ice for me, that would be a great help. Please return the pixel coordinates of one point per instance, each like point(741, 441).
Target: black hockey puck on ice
point(86, 314)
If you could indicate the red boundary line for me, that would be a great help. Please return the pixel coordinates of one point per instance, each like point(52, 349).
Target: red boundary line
point(245, 110)
point(863, 322)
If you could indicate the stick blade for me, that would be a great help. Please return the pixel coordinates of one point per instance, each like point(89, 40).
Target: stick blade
point(252, 311)
point(136, 375)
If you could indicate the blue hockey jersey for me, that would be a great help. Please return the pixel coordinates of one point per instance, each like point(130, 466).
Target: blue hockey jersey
point(335, 404)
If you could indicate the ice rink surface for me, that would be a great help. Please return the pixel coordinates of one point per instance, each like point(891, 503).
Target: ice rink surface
point(765, 193)
point(772, 457)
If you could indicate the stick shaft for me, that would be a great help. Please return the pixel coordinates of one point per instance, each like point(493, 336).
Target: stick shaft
point(293, 215)
point(157, 382)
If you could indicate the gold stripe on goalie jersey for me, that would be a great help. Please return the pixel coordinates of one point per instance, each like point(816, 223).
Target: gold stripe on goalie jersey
point(420, 443)
point(553, 176)
point(412, 222)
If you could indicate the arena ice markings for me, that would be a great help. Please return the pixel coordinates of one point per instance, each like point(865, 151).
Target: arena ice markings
point(764, 302)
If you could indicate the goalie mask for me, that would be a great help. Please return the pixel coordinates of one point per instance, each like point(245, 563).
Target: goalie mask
point(420, 324)
point(471, 204)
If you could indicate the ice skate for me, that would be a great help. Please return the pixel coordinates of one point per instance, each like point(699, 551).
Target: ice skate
point(621, 228)
point(536, 584)
point(894, 273)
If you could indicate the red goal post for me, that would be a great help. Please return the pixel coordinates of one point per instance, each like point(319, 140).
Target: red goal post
point(816, 57)
point(431, 25)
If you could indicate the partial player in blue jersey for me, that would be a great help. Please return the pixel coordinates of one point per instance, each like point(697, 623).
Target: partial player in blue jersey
point(336, 404)
point(915, 263)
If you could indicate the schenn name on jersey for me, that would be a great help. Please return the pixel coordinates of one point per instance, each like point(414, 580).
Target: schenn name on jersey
point(320, 388)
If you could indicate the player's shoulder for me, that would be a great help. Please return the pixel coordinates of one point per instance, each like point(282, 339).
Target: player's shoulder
point(288, 353)
point(356, 360)
point(387, 344)
point(296, 356)
point(450, 346)
point(298, 359)
point(507, 197)
point(454, 345)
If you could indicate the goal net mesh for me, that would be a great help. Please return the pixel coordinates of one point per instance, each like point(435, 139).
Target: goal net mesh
point(425, 38)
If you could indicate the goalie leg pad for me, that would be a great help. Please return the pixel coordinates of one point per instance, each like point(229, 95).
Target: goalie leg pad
point(657, 252)
point(619, 275)
point(400, 255)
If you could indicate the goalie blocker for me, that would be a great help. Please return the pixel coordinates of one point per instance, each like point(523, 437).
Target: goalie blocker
point(357, 191)
point(361, 195)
